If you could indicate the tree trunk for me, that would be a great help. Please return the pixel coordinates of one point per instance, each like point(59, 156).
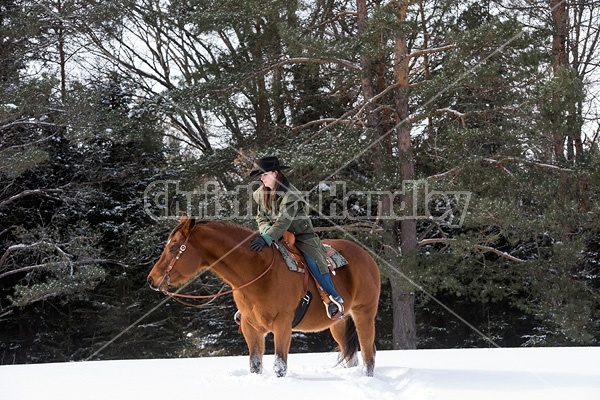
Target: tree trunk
point(261, 106)
point(404, 328)
point(560, 60)
point(404, 334)
point(60, 32)
point(404, 331)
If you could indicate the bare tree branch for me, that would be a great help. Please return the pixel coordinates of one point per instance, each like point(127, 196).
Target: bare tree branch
point(29, 268)
point(55, 264)
point(356, 227)
point(21, 122)
point(25, 193)
point(423, 52)
point(306, 60)
point(16, 247)
point(501, 253)
point(451, 172)
point(500, 163)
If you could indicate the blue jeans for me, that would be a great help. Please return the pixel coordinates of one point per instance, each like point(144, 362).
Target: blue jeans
point(323, 279)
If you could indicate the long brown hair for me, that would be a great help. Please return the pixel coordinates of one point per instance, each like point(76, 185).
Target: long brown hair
point(269, 195)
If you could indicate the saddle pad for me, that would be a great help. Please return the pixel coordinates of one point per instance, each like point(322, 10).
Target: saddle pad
point(333, 257)
point(289, 261)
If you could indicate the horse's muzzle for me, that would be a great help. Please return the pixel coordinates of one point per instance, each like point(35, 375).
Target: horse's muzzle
point(151, 284)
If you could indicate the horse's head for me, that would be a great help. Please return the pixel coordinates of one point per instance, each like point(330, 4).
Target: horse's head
point(178, 262)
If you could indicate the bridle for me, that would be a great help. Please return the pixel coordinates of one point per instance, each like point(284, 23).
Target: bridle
point(175, 295)
point(167, 277)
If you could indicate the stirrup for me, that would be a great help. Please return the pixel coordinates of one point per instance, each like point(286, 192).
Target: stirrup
point(335, 309)
point(237, 317)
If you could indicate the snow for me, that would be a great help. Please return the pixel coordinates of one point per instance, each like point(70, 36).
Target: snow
point(461, 374)
point(323, 187)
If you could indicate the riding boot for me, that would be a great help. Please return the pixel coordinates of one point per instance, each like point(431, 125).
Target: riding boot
point(334, 308)
point(332, 300)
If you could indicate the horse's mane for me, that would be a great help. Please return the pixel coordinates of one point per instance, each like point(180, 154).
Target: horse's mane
point(233, 228)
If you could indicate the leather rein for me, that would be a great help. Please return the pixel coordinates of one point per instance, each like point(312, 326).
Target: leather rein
point(175, 295)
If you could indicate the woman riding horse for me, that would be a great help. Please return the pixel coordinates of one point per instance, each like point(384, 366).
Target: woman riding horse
point(264, 290)
point(281, 208)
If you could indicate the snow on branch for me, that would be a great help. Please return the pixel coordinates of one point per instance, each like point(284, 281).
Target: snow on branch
point(460, 115)
point(423, 52)
point(500, 253)
point(451, 172)
point(30, 268)
point(53, 264)
point(22, 122)
point(22, 246)
point(500, 163)
point(43, 192)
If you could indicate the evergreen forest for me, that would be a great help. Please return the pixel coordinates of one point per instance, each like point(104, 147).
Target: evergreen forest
point(457, 141)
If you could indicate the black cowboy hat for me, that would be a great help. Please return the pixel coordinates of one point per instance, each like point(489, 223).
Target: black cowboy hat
point(267, 164)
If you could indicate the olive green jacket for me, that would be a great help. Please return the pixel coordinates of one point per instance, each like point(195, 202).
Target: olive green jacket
point(290, 214)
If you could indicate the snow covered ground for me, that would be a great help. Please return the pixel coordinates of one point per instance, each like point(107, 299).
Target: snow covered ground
point(478, 374)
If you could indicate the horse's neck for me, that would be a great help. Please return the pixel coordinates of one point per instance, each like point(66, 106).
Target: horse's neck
point(228, 256)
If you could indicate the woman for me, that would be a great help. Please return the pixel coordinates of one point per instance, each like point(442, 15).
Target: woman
point(281, 208)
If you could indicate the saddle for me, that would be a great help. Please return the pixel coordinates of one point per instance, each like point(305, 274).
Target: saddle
point(288, 241)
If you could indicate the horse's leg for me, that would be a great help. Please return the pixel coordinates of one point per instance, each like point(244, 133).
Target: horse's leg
point(338, 331)
point(365, 327)
point(282, 338)
point(256, 345)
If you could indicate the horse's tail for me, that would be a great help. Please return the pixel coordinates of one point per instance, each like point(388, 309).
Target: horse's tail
point(349, 353)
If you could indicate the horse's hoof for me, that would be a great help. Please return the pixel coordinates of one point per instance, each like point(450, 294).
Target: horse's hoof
point(256, 364)
point(280, 368)
point(256, 370)
point(280, 374)
point(353, 362)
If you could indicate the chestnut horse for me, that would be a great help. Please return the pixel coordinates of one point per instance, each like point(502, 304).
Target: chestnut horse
point(267, 304)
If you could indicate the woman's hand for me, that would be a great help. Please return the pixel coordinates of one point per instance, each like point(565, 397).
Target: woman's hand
point(258, 243)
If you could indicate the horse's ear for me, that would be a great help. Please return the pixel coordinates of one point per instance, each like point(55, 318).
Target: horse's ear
point(187, 223)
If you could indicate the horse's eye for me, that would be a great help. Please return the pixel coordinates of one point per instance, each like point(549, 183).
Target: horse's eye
point(173, 248)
